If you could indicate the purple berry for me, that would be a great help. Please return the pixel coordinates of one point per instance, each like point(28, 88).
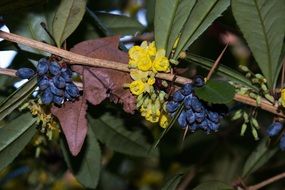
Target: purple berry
point(200, 116)
point(213, 116)
point(198, 81)
point(172, 106)
point(182, 119)
point(25, 73)
point(43, 83)
point(187, 89)
point(178, 96)
point(190, 116)
point(72, 90)
point(55, 90)
point(47, 97)
point(58, 100)
point(66, 75)
point(196, 104)
point(213, 126)
point(42, 67)
point(54, 68)
point(188, 101)
point(274, 129)
point(58, 81)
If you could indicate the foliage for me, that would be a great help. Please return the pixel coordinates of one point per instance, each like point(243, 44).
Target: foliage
point(101, 139)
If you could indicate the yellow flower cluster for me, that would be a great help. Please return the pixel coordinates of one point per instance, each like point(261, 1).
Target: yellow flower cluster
point(45, 119)
point(282, 98)
point(145, 61)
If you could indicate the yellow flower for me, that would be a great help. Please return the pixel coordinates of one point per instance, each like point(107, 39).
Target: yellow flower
point(144, 63)
point(152, 116)
point(164, 121)
point(161, 63)
point(138, 74)
point(151, 50)
point(283, 97)
point(137, 87)
point(151, 81)
point(136, 52)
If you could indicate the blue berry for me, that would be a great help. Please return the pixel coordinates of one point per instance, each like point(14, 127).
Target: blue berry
point(187, 89)
point(198, 81)
point(200, 116)
point(172, 106)
point(72, 90)
point(42, 67)
point(66, 75)
point(55, 90)
point(182, 119)
point(54, 68)
point(282, 143)
point(58, 81)
point(194, 127)
point(47, 96)
point(274, 129)
point(25, 73)
point(58, 100)
point(213, 116)
point(213, 126)
point(196, 104)
point(178, 96)
point(188, 101)
point(190, 116)
point(43, 83)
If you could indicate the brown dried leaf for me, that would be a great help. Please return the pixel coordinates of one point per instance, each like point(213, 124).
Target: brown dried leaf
point(72, 117)
point(100, 83)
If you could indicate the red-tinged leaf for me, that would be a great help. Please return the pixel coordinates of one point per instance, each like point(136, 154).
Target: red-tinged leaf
point(100, 83)
point(72, 117)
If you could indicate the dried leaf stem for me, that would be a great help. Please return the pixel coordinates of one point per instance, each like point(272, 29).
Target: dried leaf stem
point(74, 58)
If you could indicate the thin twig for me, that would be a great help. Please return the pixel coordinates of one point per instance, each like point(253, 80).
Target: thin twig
point(78, 59)
point(215, 65)
point(267, 182)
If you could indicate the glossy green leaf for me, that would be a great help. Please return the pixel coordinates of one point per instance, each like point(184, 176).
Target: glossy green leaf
point(200, 18)
point(262, 24)
point(181, 15)
point(111, 131)
point(173, 182)
point(120, 24)
point(213, 185)
point(17, 98)
point(29, 25)
point(258, 157)
point(217, 92)
point(68, 16)
point(14, 136)
point(222, 70)
point(164, 15)
point(87, 165)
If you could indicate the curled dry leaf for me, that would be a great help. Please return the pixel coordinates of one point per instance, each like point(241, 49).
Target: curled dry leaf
point(100, 83)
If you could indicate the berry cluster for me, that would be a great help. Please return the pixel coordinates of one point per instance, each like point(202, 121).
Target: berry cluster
point(54, 81)
point(195, 114)
point(273, 130)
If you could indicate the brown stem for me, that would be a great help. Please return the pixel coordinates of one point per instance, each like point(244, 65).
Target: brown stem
point(267, 182)
point(215, 65)
point(74, 58)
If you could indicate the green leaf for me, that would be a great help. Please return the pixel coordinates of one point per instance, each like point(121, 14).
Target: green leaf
point(258, 157)
point(182, 13)
point(200, 18)
point(87, 165)
point(68, 16)
point(17, 98)
point(14, 136)
point(120, 24)
point(173, 182)
point(222, 70)
point(213, 185)
point(217, 92)
point(262, 24)
point(111, 131)
point(164, 15)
